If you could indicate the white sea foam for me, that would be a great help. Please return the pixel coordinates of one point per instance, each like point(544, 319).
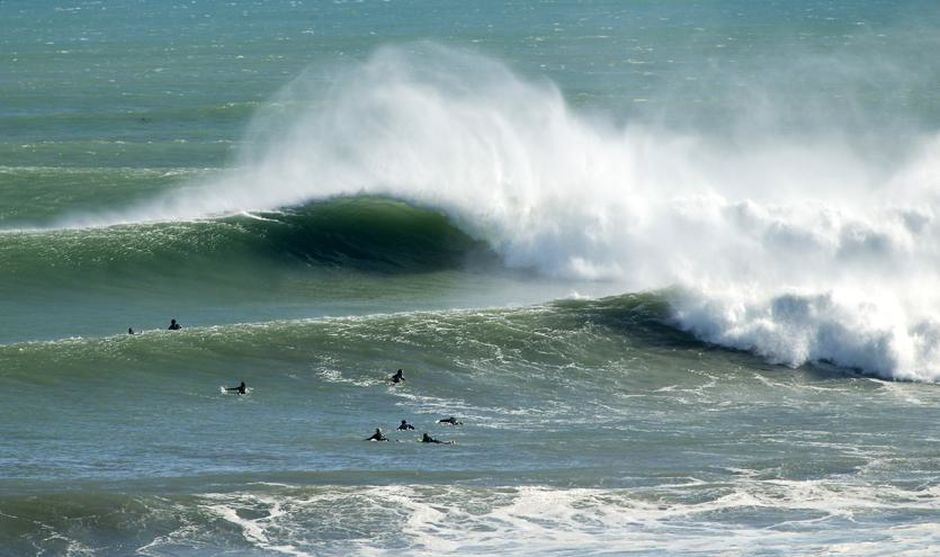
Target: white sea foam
point(749, 517)
point(800, 249)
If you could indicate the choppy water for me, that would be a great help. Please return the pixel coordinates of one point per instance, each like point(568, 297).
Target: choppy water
point(674, 266)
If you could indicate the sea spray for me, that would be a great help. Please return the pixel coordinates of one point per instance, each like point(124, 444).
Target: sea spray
point(548, 188)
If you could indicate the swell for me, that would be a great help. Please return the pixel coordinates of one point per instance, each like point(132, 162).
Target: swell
point(363, 233)
point(537, 340)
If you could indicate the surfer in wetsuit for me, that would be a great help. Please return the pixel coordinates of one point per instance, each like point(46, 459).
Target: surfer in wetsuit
point(451, 421)
point(377, 436)
point(404, 426)
point(130, 330)
point(240, 389)
point(174, 326)
point(398, 377)
point(428, 439)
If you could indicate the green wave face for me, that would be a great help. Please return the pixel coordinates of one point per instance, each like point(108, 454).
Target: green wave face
point(366, 233)
point(474, 352)
point(363, 233)
point(528, 359)
point(336, 257)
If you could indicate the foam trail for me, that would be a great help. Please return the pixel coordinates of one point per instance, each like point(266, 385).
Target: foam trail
point(802, 250)
point(446, 520)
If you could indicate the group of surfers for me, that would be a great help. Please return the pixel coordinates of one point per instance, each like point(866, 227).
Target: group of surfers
point(399, 377)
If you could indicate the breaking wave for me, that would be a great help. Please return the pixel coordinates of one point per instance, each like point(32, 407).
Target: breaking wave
point(801, 247)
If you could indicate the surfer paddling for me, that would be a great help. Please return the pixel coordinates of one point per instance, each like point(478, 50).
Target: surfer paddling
point(449, 421)
point(404, 425)
point(240, 389)
point(428, 439)
point(398, 377)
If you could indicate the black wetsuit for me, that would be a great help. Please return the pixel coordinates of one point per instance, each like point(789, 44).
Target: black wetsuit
point(241, 389)
point(377, 436)
point(405, 425)
point(451, 420)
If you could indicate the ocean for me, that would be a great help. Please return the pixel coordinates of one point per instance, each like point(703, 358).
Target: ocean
point(674, 266)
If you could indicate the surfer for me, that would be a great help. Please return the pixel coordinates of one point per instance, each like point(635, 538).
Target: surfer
point(174, 326)
point(377, 436)
point(130, 330)
point(404, 425)
point(240, 389)
point(398, 377)
point(428, 439)
point(450, 421)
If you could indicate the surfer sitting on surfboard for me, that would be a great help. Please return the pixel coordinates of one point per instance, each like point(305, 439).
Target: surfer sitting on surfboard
point(240, 389)
point(405, 425)
point(174, 326)
point(398, 377)
point(377, 436)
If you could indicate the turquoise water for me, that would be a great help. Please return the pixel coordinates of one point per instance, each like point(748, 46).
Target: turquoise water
point(672, 264)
